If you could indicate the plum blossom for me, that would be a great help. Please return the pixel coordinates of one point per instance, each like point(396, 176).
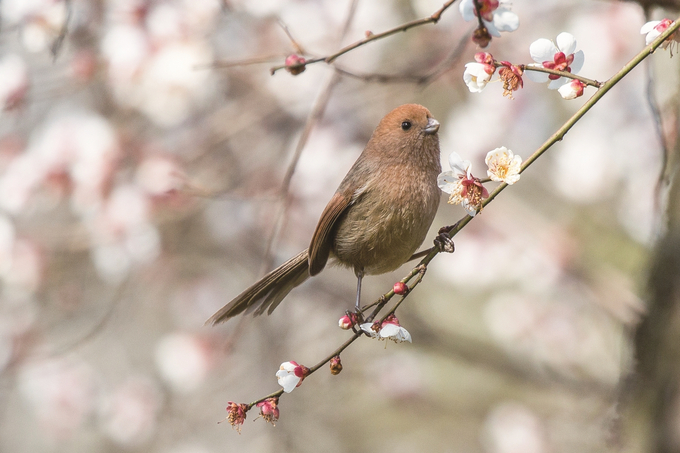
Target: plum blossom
point(392, 330)
point(389, 329)
point(511, 76)
point(496, 18)
point(269, 410)
point(236, 414)
point(572, 90)
point(464, 188)
point(503, 165)
point(560, 57)
point(656, 28)
point(291, 375)
point(479, 73)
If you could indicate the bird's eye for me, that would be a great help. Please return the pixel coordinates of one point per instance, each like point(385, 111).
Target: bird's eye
point(406, 125)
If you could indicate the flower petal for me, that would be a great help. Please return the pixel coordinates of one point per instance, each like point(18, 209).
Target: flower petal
point(505, 20)
point(368, 328)
point(287, 380)
point(543, 50)
point(577, 64)
point(458, 165)
point(491, 28)
point(556, 84)
point(467, 10)
point(566, 43)
point(649, 26)
point(447, 181)
point(535, 76)
point(395, 333)
point(471, 210)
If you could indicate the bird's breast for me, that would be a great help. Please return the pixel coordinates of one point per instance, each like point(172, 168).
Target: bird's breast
point(387, 222)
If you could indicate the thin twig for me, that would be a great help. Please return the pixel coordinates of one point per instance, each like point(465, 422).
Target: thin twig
point(433, 19)
point(569, 75)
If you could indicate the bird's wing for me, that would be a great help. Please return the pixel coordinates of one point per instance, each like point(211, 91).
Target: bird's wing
point(322, 241)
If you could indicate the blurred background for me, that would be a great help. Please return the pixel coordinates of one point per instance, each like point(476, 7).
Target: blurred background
point(151, 168)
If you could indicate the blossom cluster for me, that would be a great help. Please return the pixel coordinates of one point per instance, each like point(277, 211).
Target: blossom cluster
point(468, 190)
point(561, 56)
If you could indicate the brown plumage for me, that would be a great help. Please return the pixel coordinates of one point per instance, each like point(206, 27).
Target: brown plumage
point(376, 219)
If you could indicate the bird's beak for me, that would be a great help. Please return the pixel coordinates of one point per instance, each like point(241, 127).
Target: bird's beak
point(432, 126)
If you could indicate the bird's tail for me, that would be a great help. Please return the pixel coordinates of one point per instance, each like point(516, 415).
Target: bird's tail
point(268, 292)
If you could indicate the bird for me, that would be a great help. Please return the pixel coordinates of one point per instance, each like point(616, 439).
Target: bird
point(375, 221)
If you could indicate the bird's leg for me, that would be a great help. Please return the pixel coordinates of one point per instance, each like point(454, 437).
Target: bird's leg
point(360, 274)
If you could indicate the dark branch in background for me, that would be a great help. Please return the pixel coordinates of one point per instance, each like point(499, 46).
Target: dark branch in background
point(59, 41)
point(433, 19)
point(424, 79)
point(658, 123)
point(298, 47)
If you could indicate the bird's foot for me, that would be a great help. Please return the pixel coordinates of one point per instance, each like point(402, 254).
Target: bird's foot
point(444, 242)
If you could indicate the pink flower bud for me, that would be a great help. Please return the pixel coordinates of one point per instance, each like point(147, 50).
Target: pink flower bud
point(484, 58)
point(295, 64)
point(400, 288)
point(347, 321)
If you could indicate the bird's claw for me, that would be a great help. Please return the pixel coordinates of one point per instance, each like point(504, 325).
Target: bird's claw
point(444, 242)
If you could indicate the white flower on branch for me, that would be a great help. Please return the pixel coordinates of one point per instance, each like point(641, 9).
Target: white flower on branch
point(504, 165)
point(392, 330)
point(656, 28)
point(560, 57)
point(464, 188)
point(389, 329)
point(290, 375)
point(496, 18)
point(479, 73)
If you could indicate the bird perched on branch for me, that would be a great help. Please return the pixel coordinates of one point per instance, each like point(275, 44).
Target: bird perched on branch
point(377, 218)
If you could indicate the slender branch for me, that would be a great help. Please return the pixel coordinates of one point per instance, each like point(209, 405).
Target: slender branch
point(433, 19)
point(569, 75)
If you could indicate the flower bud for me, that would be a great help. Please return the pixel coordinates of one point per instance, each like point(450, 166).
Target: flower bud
point(295, 64)
point(481, 37)
point(347, 321)
point(336, 365)
point(400, 288)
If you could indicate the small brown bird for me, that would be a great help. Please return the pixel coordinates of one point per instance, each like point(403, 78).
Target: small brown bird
point(377, 218)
